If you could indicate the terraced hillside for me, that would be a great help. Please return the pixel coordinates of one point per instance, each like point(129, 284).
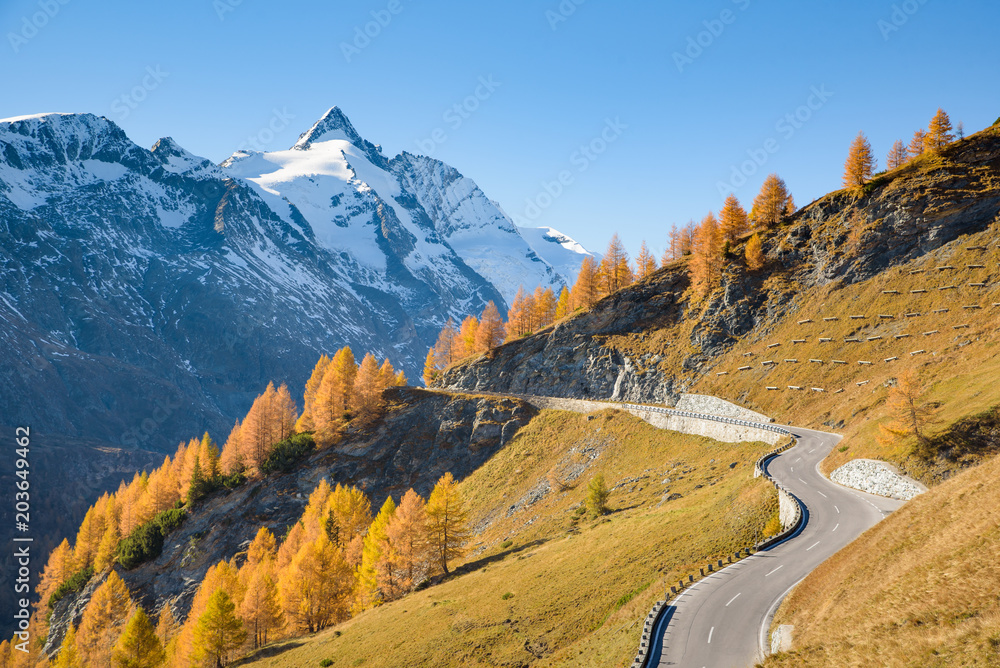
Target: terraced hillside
point(833, 357)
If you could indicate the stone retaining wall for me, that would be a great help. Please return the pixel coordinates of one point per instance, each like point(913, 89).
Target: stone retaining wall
point(875, 477)
point(788, 509)
point(720, 431)
point(701, 403)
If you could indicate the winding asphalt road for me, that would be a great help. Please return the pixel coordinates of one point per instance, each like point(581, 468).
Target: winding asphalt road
point(722, 621)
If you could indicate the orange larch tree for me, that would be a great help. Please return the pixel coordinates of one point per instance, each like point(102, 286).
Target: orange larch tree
point(733, 220)
point(584, 292)
point(467, 336)
point(918, 144)
point(366, 401)
point(102, 622)
point(614, 272)
point(754, 253)
point(408, 549)
point(333, 398)
point(305, 422)
point(939, 132)
point(490, 332)
point(860, 163)
point(563, 307)
point(771, 204)
point(519, 315)
point(706, 257)
point(545, 307)
point(897, 156)
point(447, 522)
point(645, 263)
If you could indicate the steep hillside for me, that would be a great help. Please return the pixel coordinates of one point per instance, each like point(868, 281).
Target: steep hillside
point(919, 589)
point(915, 255)
point(544, 584)
point(422, 436)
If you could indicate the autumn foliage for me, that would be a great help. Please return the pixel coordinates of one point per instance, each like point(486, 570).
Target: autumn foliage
point(120, 528)
point(860, 164)
point(316, 577)
point(772, 205)
point(530, 312)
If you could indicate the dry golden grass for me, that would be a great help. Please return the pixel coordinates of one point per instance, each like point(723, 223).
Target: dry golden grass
point(919, 589)
point(546, 585)
point(957, 366)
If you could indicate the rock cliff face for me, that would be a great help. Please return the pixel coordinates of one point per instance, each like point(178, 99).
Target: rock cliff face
point(648, 342)
point(571, 359)
point(422, 436)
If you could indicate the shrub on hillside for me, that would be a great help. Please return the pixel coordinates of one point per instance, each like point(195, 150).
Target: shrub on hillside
point(286, 453)
point(146, 541)
point(597, 496)
point(75, 583)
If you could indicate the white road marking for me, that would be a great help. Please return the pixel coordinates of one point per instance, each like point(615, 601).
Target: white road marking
point(710, 632)
point(835, 528)
point(803, 481)
point(793, 469)
point(812, 451)
point(733, 599)
point(776, 569)
point(812, 546)
point(837, 509)
point(822, 494)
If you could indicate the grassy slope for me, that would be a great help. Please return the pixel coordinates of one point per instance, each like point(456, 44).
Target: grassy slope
point(577, 586)
point(959, 365)
point(919, 589)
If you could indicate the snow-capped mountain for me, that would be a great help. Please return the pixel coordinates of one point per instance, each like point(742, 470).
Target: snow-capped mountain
point(560, 251)
point(147, 295)
point(335, 180)
point(139, 274)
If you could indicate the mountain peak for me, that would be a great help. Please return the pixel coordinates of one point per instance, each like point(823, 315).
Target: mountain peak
point(176, 158)
point(59, 123)
point(334, 124)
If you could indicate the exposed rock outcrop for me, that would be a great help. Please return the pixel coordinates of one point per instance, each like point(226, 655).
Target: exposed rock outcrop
point(422, 436)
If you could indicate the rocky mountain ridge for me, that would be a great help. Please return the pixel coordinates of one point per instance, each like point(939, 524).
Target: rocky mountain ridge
point(650, 342)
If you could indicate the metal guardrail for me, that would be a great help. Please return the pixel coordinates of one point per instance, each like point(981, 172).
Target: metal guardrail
point(713, 418)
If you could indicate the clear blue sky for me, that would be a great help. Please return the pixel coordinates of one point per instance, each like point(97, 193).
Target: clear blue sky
point(225, 66)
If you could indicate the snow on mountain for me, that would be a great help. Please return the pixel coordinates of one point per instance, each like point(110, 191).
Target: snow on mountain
point(559, 250)
point(135, 263)
point(335, 179)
